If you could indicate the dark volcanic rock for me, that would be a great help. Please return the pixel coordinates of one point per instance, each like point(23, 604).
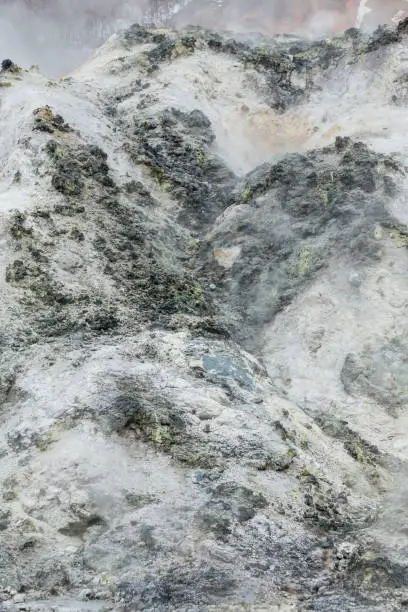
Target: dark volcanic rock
point(291, 219)
point(148, 460)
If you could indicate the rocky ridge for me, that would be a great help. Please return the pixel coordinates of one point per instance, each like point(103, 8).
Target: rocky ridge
point(203, 350)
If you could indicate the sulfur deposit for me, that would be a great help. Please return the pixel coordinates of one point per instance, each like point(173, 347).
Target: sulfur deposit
point(204, 349)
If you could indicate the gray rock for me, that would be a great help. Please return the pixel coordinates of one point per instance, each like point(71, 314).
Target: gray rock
point(380, 372)
point(154, 293)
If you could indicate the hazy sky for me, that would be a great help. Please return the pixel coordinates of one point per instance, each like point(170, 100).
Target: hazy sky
point(60, 34)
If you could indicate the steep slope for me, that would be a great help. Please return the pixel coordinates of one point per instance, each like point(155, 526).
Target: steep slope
point(203, 347)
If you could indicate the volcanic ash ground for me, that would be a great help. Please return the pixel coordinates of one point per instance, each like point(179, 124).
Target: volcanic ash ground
point(204, 342)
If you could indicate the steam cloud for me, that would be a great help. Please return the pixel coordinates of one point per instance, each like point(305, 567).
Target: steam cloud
point(60, 34)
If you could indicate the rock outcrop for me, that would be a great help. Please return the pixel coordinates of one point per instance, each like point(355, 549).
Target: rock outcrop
point(203, 367)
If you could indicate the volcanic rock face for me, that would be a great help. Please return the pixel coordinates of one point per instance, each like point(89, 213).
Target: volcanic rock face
point(60, 35)
point(203, 367)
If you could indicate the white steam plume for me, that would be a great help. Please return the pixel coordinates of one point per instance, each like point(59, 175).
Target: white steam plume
point(60, 34)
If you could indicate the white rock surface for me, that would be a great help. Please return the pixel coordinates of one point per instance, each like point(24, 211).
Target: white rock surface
point(148, 461)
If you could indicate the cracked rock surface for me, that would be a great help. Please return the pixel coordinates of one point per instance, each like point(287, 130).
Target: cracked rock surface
point(203, 343)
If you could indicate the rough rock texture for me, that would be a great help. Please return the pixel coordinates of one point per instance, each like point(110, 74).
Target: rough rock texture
point(203, 365)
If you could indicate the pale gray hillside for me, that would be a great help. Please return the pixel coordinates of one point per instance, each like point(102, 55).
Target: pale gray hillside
point(204, 349)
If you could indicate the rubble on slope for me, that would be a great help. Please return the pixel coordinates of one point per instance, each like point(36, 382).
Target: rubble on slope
point(151, 456)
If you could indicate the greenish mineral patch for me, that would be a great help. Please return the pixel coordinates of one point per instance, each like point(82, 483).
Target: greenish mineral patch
point(45, 120)
point(150, 460)
point(361, 450)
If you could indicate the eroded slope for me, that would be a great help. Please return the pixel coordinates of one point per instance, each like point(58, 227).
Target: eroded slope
point(203, 343)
